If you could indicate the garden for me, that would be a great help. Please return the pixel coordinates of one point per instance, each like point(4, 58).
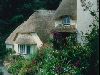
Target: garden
point(75, 59)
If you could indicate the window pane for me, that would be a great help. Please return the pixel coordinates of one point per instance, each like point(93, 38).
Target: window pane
point(21, 49)
point(28, 49)
point(66, 20)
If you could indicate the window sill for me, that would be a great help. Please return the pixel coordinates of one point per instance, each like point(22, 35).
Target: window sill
point(22, 53)
point(66, 25)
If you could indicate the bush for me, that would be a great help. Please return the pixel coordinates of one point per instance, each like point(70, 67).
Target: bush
point(29, 68)
point(56, 62)
point(75, 59)
point(21, 66)
point(15, 67)
point(17, 19)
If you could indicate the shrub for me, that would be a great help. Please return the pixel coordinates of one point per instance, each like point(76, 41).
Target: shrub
point(21, 66)
point(28, 68)
point(55, 62)
point(15, 67)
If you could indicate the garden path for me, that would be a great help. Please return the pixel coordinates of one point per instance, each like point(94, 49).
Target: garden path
point(3, 69)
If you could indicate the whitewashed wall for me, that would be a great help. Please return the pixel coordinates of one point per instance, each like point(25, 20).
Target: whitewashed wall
point(37, 40)
point(16, 48)
point(9, 46)
point(84, 19)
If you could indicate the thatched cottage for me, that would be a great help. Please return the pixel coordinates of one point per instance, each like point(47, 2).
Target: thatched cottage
point(33, 33)
point(30, 35)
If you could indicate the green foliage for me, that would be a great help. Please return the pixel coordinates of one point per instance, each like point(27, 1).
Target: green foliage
point(52, 4)
point(17, 19)
point(15, 68)
point(16, 64)
point(82, 59)
point(3, 50)
point(28, 68)
point(74, 59)
point(93, 43)
point(21, 66)
point(55, 62)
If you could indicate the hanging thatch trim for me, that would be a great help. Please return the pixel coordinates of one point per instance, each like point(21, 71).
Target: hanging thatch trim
point(71, 28)
point(67, 8)
point(25, 39)
point(40, 22)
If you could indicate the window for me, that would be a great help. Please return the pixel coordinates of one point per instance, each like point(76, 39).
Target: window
point(28, 49)
point(66, 20)
point(24, 49)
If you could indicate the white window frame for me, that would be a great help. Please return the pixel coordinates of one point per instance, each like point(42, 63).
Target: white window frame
point(66, 19)
point(22, 49)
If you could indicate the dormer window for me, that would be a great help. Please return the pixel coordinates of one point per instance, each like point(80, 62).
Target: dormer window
point(66, 20)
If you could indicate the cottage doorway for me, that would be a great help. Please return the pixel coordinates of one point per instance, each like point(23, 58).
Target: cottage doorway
point(60, 40)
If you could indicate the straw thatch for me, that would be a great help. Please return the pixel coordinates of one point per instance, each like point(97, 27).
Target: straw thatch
point(67, 8)
point(71, 28)
point(40, 22)
point(25, 39)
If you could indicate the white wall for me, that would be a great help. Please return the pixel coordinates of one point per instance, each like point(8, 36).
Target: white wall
point(37, 40)
point(84, 19)
point(9, 46)
point(16, 48)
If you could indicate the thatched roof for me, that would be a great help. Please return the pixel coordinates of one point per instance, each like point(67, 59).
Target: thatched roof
point(25, 39)
point(67, 8)
point(40, 22)
point(71, 28)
